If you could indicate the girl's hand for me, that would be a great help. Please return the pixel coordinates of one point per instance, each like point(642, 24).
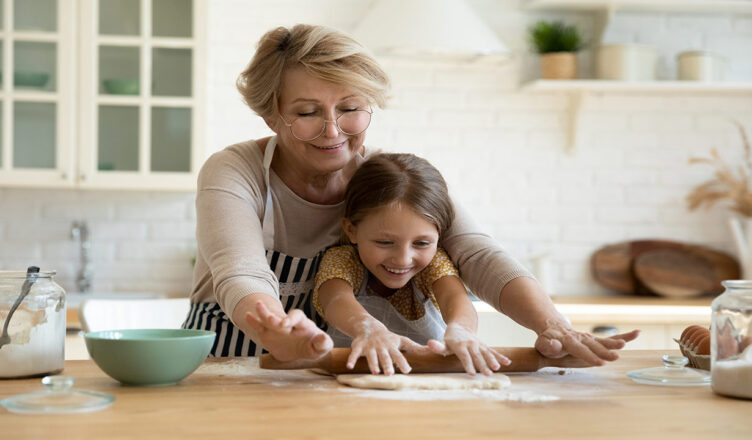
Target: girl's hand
point(474, 354)
point(381, 348)
point(558, 340)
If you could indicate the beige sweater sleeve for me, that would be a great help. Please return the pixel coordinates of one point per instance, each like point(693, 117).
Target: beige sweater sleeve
point(484, 265)
point(229, 209)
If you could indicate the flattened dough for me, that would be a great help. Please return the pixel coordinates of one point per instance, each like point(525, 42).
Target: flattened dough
point(425, 381)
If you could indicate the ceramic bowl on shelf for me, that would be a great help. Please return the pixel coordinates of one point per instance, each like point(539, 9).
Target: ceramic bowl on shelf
point(149, 356)
point(121, 86)
point(30, 79)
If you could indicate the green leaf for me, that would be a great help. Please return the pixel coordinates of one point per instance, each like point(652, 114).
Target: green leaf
point(548, 37)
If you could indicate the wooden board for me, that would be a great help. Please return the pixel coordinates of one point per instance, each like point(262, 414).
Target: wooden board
point(613, 266)
point(678, 274)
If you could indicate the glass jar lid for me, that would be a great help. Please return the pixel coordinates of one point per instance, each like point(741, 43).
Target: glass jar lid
point(57, 397)
point(674, 372)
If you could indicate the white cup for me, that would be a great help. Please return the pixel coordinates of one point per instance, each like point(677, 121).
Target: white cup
point(700, 66)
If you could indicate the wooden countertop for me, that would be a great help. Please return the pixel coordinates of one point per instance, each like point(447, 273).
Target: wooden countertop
point(231, 398)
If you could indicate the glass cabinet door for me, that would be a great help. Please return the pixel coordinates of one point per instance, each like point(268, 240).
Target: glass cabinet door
point(37, 113)
point(143, 95)
point(101, 94)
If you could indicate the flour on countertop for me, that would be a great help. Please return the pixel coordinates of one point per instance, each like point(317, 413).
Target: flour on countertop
point(247, 369)
point(433, 395)
point(568, 383)
point(231, 367)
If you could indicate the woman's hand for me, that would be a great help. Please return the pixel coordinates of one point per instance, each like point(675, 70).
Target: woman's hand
point(381, 348)
point(474, 354)
point(559, 339)
point(289, 337)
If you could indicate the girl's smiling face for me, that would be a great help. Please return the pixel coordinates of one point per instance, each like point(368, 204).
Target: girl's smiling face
point(394, 243)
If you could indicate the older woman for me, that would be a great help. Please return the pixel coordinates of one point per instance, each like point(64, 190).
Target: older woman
point(267, 208)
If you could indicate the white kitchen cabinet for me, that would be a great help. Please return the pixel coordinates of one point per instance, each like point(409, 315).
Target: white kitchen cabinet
point(123, 106)
point(659, 321)
point(38, 93)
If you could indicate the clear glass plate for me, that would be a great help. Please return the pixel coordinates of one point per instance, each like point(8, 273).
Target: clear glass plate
point(57, 397)
point(674, 372)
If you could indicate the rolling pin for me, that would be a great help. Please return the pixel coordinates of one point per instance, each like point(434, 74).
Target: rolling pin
point(524, 359)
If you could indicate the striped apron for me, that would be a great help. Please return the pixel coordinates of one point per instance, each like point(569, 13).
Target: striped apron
point(296, 277)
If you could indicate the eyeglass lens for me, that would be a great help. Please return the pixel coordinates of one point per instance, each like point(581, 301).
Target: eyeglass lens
point(354, 122)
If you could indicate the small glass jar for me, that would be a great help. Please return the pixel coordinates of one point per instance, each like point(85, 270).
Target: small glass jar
point(731, 340)
point(36, 328)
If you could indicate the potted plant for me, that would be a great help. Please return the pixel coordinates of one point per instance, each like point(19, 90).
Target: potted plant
point(731, 184)
point(557, 43)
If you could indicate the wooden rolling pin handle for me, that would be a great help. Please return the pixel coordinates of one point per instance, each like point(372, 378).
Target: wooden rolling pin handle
point(524, 359)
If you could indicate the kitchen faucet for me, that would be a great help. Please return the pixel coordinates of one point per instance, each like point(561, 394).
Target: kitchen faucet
point(80, 232)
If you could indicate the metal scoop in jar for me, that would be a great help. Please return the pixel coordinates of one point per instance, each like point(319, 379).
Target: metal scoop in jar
point(31, 277)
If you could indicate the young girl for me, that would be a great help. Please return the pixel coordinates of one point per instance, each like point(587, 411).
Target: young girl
point(390, 286)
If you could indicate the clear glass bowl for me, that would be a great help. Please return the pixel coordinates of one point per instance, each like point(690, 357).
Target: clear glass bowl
point(57, 397)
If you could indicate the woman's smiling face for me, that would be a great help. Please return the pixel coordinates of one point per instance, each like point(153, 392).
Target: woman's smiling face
point(304, 95)
point(394, 243)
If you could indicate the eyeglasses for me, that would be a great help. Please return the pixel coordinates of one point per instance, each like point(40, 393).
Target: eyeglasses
point(308, 128)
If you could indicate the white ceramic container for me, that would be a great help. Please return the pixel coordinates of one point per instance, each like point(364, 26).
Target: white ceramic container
point(700, 66)
point(626, 62)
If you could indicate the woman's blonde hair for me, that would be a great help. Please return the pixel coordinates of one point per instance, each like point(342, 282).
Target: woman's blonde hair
point(388, 178)
point(325, 53)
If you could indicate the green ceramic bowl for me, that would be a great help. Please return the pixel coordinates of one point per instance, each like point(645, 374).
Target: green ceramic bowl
point(121, 86)
point(30, 79)
point(149, 356)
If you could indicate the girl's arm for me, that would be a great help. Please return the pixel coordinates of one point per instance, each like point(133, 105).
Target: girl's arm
point(370, 337)
point(462, 328)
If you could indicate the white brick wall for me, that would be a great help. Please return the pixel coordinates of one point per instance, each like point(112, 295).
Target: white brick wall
point(502, 152)
point(140, 241)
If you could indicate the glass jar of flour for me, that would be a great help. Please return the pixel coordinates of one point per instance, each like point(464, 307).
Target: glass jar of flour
point(731, 340)
point(32, 342)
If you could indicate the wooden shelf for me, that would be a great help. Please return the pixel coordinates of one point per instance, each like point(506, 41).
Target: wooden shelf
point(695, 6)
point(594, 85)
point(578, 89)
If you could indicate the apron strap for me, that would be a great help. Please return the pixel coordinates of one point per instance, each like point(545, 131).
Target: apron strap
point(267, 225)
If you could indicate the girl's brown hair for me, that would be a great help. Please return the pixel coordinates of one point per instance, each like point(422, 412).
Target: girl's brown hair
point(412, 181)
point(325, 53)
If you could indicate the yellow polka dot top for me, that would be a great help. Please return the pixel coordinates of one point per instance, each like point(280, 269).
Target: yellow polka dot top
point(343, 262)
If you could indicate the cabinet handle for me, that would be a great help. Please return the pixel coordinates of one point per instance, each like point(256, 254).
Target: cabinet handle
point(604, 330)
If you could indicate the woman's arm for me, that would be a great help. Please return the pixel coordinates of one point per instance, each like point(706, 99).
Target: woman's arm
point(370, 337)
point(462, 328)
point(523, 300)
point(286, 336)
point(233, 269)
point(498, 279)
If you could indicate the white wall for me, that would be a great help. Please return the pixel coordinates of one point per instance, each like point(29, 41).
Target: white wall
point(502, 151)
